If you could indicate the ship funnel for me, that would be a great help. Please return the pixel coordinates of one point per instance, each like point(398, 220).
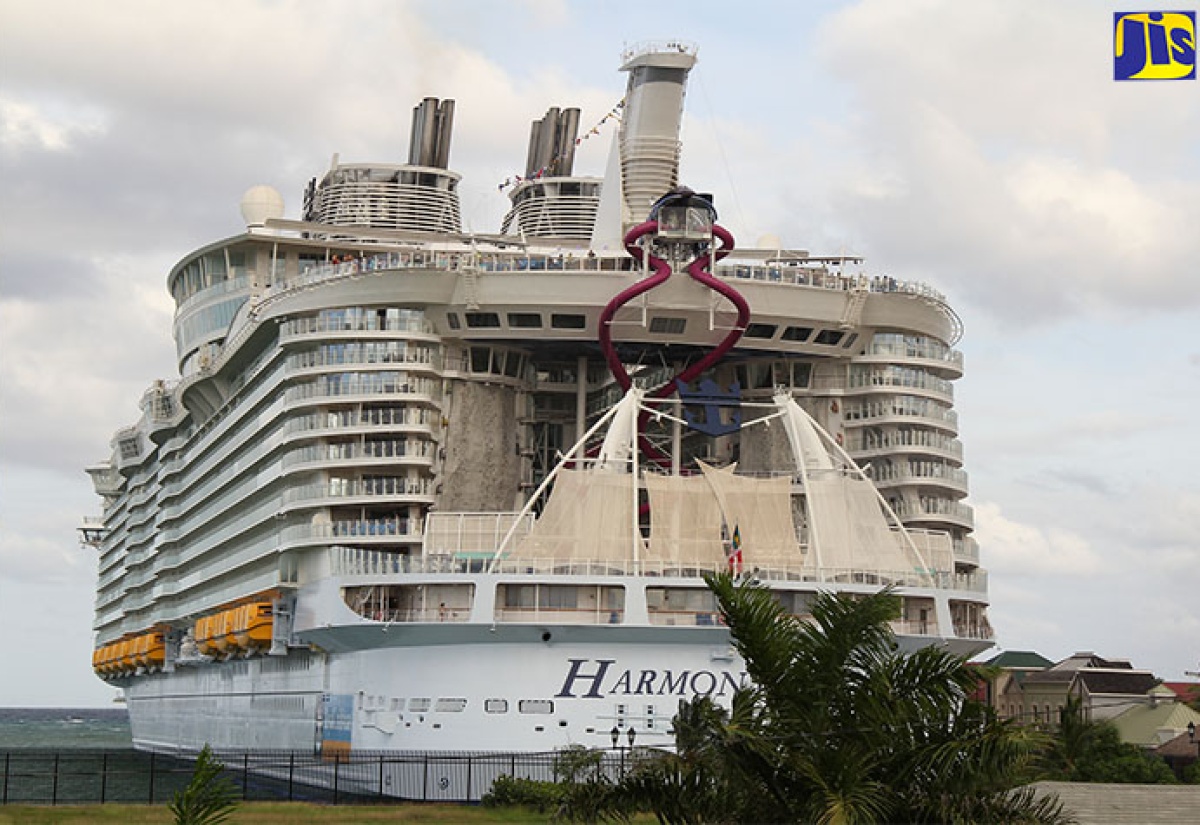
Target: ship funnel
point(429, 144)
point(420, 196)
point(552, 144)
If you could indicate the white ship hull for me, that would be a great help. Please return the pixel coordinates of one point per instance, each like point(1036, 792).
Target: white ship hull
point(452, 687)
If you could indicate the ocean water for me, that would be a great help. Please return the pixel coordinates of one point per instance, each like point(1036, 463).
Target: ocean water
point(64, 729)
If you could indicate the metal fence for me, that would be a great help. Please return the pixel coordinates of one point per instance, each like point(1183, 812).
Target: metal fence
point(82, 776)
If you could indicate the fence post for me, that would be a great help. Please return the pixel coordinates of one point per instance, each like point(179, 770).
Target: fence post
point(381, 775)
point(7, 756)
point(54, 783)
point(336, 761)
point(103, 776)
point(425, 781)
point(291, 772)
point(151, 777)
point(245, 775)
point(470, 762)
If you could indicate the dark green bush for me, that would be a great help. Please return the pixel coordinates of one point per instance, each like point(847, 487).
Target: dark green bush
point(544, 797)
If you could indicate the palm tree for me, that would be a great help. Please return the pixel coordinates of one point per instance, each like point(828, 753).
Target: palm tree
point(840, 727)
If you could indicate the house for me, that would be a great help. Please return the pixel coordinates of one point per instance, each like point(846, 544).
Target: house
point(1001, 678)
point(1104, 687)
point(1152, 726)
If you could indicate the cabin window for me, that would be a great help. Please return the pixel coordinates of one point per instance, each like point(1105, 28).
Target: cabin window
point(796, 334)
point(760, 330)
point(520, 595)
point(668, 326)
point(535, 706)
point(565, 321)
point(758, 376)
point(512, 364)
point(482, 320)
point(480, 356)
point(558, 596)
point(829, 337)
point(450, 705)
point(801, 374)
point(495, 706)
point(525, 320)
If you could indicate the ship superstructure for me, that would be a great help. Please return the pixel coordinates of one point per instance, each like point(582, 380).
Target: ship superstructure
point(374, 511)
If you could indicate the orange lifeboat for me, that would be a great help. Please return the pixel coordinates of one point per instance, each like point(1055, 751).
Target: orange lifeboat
point(158, 649)
point(108, 660)
point(204, 635)
point(139, 647)
point(125, 663)
point(235, 630)
point(222, 632)
point(255, 626)
point(153, 650)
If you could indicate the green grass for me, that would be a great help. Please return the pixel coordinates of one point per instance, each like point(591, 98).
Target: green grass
point(269, 813)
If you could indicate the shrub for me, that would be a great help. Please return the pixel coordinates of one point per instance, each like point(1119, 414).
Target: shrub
point(209, 798)
point(510, 790)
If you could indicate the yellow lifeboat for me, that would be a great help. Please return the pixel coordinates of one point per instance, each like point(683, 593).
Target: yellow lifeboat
point(222, 631)
point(156, 652)
point(235, 627)
point(139, 647)
point(255, 626)
point(125, 663)
point(108, 659)
point(203, 634)
point(151, 650)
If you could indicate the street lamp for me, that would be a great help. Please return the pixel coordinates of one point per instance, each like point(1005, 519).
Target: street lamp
point(615, 735)
point(1191, 731)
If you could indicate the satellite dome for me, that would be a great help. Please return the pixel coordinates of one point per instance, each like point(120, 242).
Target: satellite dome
point(260, 203)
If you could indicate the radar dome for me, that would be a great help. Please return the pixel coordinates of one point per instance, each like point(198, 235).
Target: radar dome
point(260, 203)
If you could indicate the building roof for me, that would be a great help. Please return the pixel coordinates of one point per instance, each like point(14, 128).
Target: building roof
point(1129, 682)
point(1152, 726)
point(1050, 677)
point(1087, 659)
point(1019, 660)
point(1181, 746)
point(1186, 691)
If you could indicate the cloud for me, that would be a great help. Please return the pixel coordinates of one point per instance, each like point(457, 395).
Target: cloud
point(54, 129)
point(84, 360)
point(1008, 175)
point(1021, 550)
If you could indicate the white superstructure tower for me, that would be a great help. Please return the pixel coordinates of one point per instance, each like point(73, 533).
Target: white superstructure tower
point(645, 162)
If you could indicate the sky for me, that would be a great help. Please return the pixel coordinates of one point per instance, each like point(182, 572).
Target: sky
point(981, 146)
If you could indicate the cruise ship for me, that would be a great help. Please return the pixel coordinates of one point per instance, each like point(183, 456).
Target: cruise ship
point(421, 489)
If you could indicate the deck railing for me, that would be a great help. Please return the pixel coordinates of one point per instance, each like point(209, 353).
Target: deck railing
point(350, 561)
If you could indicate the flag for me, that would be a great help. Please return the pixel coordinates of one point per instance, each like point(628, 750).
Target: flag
point(735, 551)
